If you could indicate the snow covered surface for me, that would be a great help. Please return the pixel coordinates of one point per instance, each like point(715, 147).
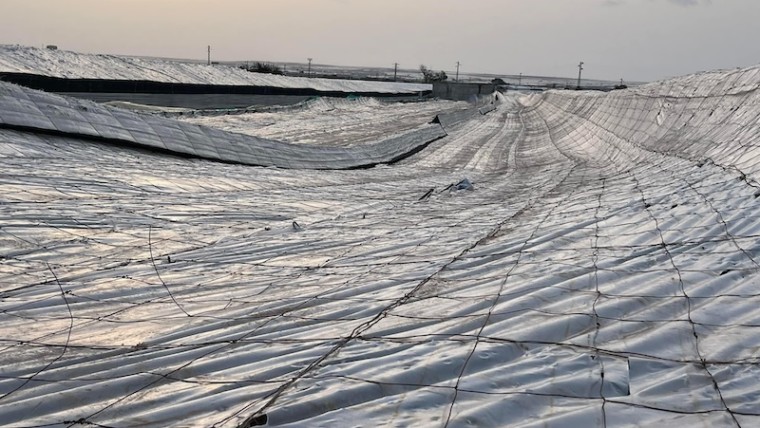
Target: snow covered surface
point(66, 64)
point(603, 271)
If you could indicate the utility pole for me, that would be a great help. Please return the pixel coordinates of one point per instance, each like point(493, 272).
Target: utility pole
point(580, 71)
point(309, 73)
point(209, 54)
point(395, 71)
point(457, 79)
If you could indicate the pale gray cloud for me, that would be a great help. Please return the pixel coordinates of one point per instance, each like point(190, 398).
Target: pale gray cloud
point(676, 2)
point(690, 2)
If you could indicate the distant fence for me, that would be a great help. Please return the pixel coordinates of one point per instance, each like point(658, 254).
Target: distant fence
point(462, 91)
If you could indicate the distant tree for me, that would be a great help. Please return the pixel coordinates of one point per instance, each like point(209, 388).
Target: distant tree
point(432, 76)
point(262, 67)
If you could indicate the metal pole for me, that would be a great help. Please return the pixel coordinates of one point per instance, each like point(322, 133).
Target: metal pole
point(457, 79)
point(580, 70)
point(209, 55)
point(520, 80)
point(309, 73)
point(395, 71)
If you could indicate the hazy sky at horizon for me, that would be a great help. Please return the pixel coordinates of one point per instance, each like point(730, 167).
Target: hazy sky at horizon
point(631, 39)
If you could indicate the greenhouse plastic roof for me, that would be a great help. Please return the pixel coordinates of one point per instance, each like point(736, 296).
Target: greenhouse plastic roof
point(41, 112)
point(75, 65)
point(601, 271)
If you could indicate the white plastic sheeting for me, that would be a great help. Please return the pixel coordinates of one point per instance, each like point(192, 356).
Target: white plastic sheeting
point(328, 121)
point(74, 65)
point(603, 272)
point(36, 111)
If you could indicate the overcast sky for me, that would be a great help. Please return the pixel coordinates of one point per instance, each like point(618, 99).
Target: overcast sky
point(630, 39)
